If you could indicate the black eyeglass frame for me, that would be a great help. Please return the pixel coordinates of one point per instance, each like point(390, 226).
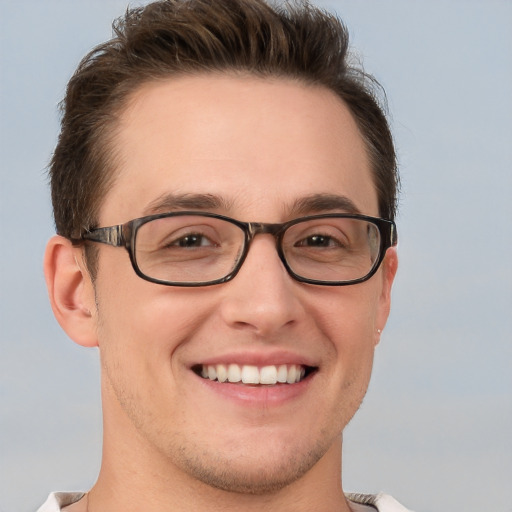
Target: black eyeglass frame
point(125, 235)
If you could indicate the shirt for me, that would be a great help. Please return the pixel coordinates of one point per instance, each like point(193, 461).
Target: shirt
point(358, 502)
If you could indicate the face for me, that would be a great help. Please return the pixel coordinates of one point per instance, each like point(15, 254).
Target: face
point(254, 150)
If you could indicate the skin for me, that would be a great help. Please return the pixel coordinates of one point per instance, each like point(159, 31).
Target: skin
point(171, 441)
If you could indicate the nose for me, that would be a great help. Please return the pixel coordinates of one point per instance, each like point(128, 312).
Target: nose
point(262, 297)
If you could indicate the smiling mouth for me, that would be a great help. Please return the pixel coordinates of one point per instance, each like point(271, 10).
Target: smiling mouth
point(270, 375)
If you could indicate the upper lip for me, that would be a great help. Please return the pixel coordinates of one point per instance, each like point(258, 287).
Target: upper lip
point(261, 358)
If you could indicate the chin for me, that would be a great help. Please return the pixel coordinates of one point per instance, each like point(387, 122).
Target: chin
point(236, 478)
point(266, 472)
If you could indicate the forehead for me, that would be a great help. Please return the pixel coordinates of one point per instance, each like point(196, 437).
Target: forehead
point(259, 144)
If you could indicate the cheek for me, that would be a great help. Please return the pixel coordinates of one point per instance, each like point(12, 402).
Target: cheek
point(347, 318)
point(347, 315)
point(140, 338)
point(141, 325)
point(149, 324)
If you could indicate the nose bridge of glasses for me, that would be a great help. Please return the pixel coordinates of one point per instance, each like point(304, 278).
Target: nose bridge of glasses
point(262, 228)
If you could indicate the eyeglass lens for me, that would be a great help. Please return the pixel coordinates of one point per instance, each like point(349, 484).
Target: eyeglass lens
point(196, 249)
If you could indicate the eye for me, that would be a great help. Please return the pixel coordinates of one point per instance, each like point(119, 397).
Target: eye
point(191, 240)
point(318, 240)
point(188, 237)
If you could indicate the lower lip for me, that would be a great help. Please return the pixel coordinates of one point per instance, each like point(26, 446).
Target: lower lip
point(254, 395)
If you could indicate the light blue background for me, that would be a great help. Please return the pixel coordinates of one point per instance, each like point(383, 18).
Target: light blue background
point(435, 428)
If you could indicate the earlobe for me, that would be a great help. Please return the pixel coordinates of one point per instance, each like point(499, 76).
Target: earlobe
point(70, 291)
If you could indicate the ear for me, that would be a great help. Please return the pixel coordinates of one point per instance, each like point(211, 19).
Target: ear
point(388, 272)
point(70, 290)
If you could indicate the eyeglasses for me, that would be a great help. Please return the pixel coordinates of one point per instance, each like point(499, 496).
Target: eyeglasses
point(201, 249)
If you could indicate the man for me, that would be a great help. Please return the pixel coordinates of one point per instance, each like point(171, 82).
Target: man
point(224, 189)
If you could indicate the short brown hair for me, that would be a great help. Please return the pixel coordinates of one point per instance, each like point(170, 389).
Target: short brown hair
point(171, 37)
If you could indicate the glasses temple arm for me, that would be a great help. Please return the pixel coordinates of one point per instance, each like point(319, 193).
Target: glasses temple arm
point(111, 235)
point(394, 235)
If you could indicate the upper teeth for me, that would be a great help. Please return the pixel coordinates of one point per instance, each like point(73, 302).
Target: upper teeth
point(249, 374)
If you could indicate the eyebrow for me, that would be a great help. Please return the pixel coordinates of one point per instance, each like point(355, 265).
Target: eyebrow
point(314, 203)
point(317, 203)
point(171, 202)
